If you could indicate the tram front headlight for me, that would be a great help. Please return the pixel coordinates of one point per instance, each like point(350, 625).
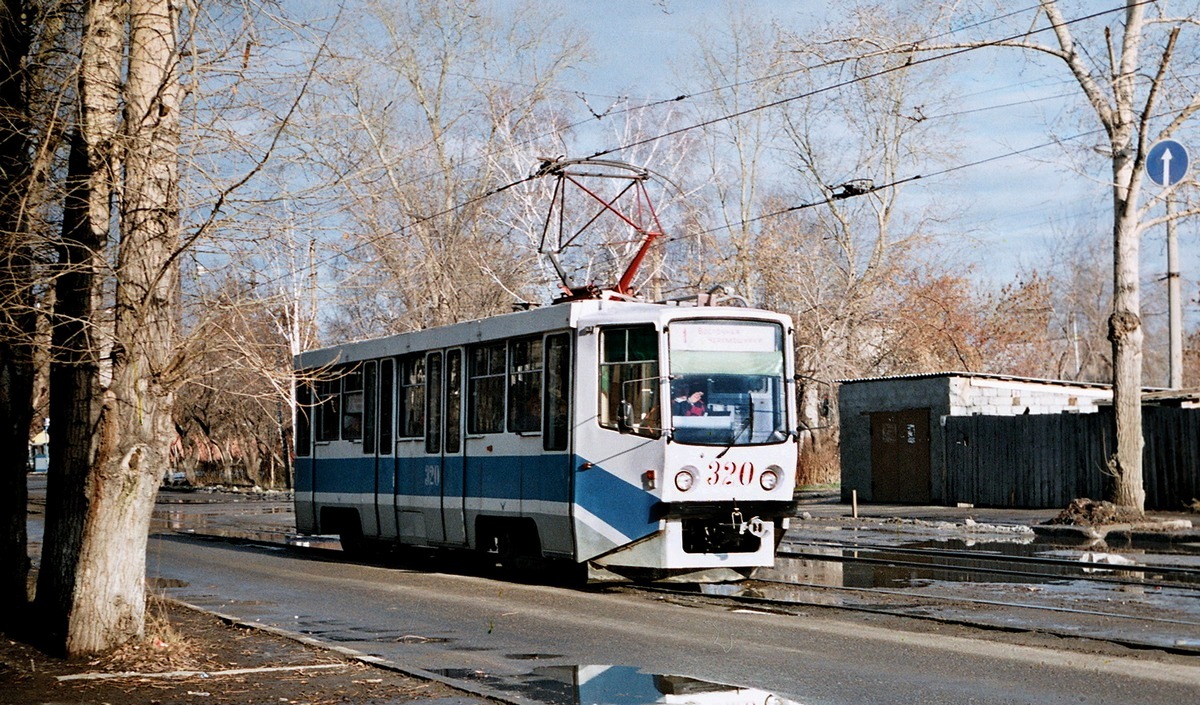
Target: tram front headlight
point(685, 478)
point(769, 479)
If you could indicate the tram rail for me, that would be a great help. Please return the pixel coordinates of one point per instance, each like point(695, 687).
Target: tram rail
point(954, 561)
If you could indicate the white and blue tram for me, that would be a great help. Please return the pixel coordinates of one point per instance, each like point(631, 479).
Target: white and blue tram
point(647, 440)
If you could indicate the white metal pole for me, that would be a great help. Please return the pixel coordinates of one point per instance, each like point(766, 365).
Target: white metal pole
point(1174, 299)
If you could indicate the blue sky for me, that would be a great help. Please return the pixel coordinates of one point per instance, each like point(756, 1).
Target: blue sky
point(1007, 209)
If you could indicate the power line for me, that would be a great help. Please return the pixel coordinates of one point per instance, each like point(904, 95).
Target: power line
point(849, 82)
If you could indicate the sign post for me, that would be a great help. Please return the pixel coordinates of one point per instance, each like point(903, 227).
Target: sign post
point(1167, 165)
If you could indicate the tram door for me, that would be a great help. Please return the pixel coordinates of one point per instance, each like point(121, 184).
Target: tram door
point(443, 447)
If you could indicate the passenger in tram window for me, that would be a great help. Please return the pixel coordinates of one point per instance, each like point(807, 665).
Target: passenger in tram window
point(687, 402)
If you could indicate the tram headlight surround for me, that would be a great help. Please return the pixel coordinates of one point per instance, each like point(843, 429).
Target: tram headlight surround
point(769, 479)
point(685, 479)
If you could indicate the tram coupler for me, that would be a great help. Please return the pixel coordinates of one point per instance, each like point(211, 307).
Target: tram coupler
point(756, 526)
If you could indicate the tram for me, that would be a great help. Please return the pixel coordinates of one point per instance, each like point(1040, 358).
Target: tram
point(645, 440)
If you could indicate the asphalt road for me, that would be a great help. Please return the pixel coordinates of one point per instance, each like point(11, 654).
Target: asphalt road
point(549, 643)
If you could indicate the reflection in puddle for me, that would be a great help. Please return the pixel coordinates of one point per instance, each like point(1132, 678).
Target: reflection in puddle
point(910, 566)
point(616, 685)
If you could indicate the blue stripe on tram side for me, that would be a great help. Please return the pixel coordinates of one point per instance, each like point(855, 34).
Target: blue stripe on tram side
point(541, 477)
point(345, 475)
point(615, 502)
point(303, 467)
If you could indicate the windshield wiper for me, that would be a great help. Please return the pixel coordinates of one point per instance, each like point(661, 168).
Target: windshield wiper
point(747, 424)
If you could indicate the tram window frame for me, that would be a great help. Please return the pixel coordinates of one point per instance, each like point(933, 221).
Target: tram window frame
point(629, 356)
point(410, 417)
point(353, 404)
point(485, 388)
point(556, 388)
point(302, 434)
point(525, 385)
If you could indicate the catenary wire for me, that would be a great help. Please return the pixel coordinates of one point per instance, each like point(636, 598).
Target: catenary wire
point(374, 240)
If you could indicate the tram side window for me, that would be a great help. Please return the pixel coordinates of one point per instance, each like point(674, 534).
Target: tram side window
point(556, 407)
point(453, 401)
point(328, 411)
point(370, 415)
point(352, 403)
point(433, 403)
point(304, 416)
point(387, 383)
point(485, 389)
point(411, 416)
point(629, 373)
point(525, 385)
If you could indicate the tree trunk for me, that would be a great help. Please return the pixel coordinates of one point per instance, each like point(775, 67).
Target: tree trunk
point(18, 321)
point(1126, 334)
point(75, 361)
point(135, 427)
point(1125, 325)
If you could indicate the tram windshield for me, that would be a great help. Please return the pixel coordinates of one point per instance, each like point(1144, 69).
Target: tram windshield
point(727, 385)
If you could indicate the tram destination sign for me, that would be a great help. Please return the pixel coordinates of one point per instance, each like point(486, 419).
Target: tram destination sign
point(1167, 163)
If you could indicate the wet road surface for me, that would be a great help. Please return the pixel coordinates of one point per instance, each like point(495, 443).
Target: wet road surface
point(557, 645)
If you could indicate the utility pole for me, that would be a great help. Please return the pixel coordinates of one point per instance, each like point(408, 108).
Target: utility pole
point(1166, 164)
point(1174, 300)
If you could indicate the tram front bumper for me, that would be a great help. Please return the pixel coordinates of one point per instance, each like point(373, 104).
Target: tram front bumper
point(693, 543)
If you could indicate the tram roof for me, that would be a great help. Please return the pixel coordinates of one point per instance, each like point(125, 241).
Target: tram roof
point(564, 316)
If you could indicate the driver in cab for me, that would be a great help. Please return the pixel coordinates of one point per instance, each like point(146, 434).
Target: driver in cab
point(688, 403)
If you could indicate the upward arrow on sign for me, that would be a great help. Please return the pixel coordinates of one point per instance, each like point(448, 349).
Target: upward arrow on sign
point(1166, 163)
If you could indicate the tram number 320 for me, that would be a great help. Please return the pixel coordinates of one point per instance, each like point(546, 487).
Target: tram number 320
point(729, 473)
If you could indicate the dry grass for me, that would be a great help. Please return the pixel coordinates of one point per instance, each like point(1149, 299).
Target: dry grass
point(162, 648)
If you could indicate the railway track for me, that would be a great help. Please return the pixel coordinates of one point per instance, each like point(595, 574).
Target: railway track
point(1138, 606)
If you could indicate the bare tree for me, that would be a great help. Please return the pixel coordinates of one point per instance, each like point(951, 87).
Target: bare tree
point(132, 434)
point(75, 365)
point(407, 129)
point(829, 247)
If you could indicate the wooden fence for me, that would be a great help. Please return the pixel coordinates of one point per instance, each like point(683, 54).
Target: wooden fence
point(1045, 461)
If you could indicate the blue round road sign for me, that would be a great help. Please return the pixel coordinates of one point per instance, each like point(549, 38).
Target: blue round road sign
point(1166, 163)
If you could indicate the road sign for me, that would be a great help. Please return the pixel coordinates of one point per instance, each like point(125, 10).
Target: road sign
point(1167, 163)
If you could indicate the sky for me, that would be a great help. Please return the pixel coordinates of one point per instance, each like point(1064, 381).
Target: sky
point(1008, 210)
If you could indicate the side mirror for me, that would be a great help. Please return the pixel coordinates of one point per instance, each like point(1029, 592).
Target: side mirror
point(624, 417)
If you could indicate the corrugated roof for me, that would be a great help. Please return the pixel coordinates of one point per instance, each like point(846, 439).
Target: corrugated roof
point(977, 375)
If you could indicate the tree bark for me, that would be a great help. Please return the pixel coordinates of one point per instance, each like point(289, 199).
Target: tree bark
point(18, 320)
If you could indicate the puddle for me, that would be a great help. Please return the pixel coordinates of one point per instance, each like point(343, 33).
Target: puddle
point(616, 685)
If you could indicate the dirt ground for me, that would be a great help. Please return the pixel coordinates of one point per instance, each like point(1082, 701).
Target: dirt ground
point(195, 658)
